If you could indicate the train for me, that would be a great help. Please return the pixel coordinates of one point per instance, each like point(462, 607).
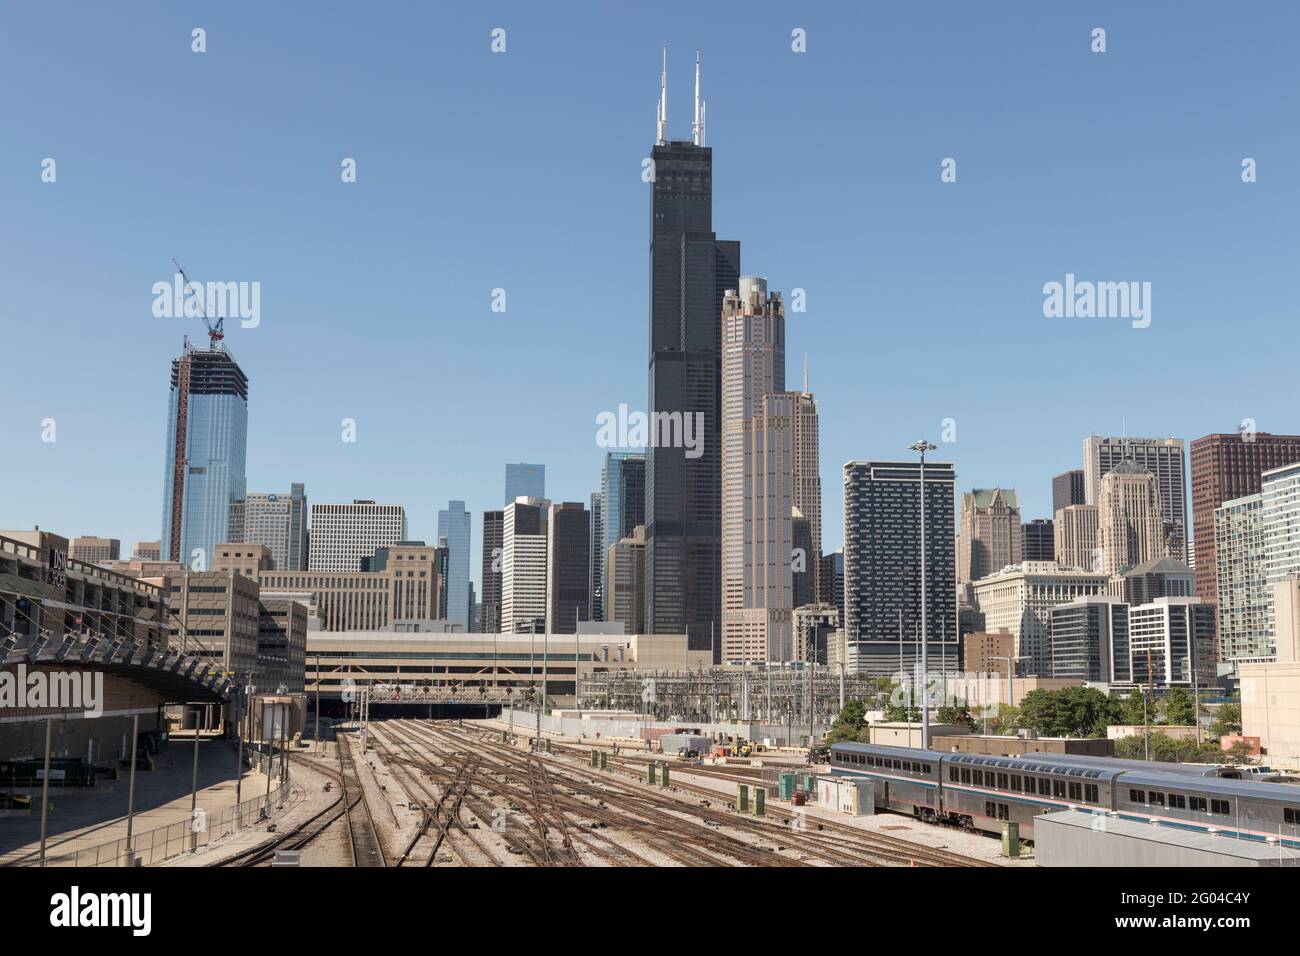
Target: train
point(978, 792)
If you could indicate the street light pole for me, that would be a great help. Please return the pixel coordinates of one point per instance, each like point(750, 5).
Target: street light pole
point(923, 446)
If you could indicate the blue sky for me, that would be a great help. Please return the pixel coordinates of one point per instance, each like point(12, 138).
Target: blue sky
point(522, 170)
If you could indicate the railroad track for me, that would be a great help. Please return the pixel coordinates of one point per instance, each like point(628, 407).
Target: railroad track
point(367, 848)
point(661, 823)
point(832, 842)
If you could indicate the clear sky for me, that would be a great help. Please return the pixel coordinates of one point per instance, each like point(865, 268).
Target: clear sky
point(521, 170)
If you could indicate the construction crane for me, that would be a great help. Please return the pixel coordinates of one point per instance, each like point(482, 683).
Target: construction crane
point(215, 332)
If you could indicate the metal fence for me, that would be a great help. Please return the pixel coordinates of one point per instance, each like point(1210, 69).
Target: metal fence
point(155, 846)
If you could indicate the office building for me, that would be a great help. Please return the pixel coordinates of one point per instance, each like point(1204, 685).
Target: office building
point(524, 540)
point(1067, 489)
point(281, 645)
point(250, 560)
point(985, 653)
point(213, 615)
point(596, 560)
point(454, 525)
point(806, 487)
point(1129, 527)
point(757, 478)
point(625, 575)
point(147, 551)
point(1038, 540)
point(405, 585)
point(568, 566)
point(1019, 600)
point(93, 550)
point(276, 520)
point(1280, 504)
point(205, 446)
point(830, 581)
point(690, 269)
point(1227, 467)
point(882, 562)
point(490, 605)
point(342, 535)
point(525, 481)
point(990, 537)
point(1163, 458)
point(1089, 638)
point(1171, 639)
point(1157, 578)
point(1075, 532)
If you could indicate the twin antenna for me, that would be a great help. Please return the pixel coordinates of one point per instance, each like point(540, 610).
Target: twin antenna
point(661, 115)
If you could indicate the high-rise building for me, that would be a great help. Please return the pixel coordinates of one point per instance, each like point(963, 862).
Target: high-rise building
point(803, 570)
point(454, 525)
point(1129, 527)
point(622, 508)
point(490, 606)
point(405, 584)
point(93, 550)
point(1089, 639)
point(757, 478)
point(524, 539)
point(882, 562)
point(1245, 598)
point(1170, 640)
point(690, 269)
point(1075, 531)
point(1067, 489)
point(525, 481)
point(1280, 491)
point(830, 581)
point(1019, 600)
point(1157, 578)
point(568, 566)
point(596, 560)
point(147, 551)
point(207, 437)
point(990, 537)
point(1038, 540)
point(806, 489)
point(1226, 467)
point(275, 520)
point(214, 615)
point(344, 534)
point(625, 576)
point(1163, 457)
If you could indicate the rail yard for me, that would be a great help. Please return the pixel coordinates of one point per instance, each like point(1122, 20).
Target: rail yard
point(463, 796)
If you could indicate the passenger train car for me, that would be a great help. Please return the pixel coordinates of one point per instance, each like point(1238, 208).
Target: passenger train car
point(978, 792)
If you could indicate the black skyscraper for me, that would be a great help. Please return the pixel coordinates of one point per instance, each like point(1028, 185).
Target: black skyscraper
point(690, 269)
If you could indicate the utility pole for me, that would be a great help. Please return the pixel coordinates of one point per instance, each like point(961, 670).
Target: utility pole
point(45, 785)
point(130, 792)
point(923, 446)
point(194, 785)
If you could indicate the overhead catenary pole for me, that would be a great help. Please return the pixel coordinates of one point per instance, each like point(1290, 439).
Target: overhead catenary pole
point(130, 790)
point(194, 786)
point(45, 785)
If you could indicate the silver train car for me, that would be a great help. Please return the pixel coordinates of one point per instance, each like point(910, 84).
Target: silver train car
point(979, 792)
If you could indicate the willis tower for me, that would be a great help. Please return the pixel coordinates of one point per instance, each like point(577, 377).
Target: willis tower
point(690, 269)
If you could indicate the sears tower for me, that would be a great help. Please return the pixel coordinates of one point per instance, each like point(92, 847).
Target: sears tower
point(690, 269)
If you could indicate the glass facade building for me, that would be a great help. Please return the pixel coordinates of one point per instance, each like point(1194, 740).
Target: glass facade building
point(206, 442)
point(454, 525)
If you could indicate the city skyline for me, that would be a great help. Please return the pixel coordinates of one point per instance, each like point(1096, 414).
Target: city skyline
point(317, 338)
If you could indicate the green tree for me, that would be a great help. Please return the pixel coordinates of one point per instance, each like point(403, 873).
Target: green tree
point(1238, 753)
point(1068, 712)
point(1227, 720)
point(956, 713)
point(1132, 708)
point(1007, 721)
point(1179, 709)
point(850, 724)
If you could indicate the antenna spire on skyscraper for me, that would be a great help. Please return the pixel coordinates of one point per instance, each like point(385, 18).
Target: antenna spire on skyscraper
point(661, 125)
point(697, 130)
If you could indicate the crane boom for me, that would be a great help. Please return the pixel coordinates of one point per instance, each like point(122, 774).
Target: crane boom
point(215, 332)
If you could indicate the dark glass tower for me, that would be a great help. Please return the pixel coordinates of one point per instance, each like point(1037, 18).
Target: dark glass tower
point(690, 269)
